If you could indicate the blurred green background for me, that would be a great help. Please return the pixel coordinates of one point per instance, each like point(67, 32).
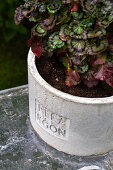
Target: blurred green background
point(13, 47)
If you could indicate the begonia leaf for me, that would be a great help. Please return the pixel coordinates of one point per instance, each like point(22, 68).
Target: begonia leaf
point(109, 81)
point(72, 78)
point(104, 72)
point(36, 45)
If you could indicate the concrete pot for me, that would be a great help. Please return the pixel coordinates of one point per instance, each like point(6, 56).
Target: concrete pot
point(74, 125)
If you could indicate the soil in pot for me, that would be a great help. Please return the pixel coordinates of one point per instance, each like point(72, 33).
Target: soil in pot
point(53, 72)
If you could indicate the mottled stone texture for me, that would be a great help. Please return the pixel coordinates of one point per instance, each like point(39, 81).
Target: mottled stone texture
point(21, 149)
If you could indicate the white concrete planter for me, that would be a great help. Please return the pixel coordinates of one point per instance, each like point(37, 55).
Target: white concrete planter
point(75, 125)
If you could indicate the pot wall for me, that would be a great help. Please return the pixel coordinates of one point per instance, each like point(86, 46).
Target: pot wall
point(74, 125)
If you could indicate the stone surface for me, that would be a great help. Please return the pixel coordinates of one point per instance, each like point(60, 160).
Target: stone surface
point(22, 149)
point(93, 167)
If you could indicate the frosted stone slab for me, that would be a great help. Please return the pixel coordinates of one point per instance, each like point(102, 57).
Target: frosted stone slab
point(90, 168)
point(22, 149)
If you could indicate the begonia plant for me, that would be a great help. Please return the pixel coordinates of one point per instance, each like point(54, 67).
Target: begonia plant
point(78, 32)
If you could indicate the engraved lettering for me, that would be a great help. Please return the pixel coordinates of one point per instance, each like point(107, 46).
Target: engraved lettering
point(39, 107)
point(61, 132)
point(52, 116)
point(60, 121)
point(53, 128)
point(45, 123)
point(54, 124)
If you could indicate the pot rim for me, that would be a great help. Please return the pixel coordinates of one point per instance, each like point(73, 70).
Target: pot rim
point(65, 96)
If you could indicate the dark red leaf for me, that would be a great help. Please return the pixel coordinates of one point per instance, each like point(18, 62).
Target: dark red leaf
point(37, 50)
point(73, 78)
point(110, 81)
point(34, 40)
point(75, 8)
point(89, 79)
point(36, 45)
point(111, 47)
point(97, 60)
point(62, 52)
point(104, 72)
point(90, 83)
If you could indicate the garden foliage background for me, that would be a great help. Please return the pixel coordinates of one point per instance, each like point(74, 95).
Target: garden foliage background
point(13, 47)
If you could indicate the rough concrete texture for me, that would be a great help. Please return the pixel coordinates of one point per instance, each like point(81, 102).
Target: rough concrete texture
point(75, 125)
